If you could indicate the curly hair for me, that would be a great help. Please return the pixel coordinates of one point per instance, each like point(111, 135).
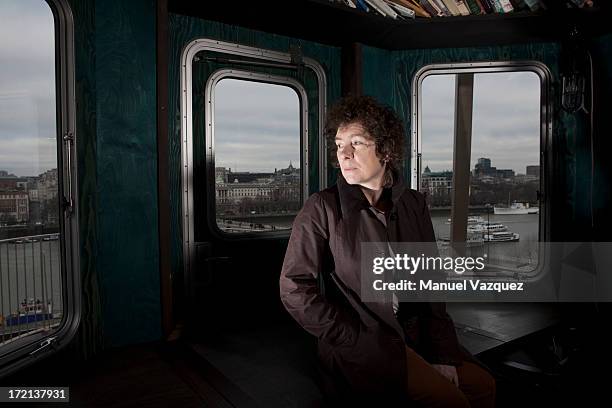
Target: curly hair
point(380, 121)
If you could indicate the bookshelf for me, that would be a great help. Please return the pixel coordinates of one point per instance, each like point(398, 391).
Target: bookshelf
point(339, 25)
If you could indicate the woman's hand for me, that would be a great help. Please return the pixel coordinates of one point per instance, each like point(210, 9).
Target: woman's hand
point(448, 371)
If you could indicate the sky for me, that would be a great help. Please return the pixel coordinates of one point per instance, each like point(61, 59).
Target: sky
point(505, 120)
point(257, 125)
point(27, 88)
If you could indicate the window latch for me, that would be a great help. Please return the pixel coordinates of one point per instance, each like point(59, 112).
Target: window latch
point(69, 141)
point(44, 344)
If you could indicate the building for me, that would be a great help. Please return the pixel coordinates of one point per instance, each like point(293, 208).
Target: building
point(47, 185)
point(533, 171)
point(437, 183)
point(236, 187)
point(505, 173)
point(483, 169)
point(14, 206)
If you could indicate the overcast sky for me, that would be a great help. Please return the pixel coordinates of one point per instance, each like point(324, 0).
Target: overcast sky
point(257, 126)
point(505, 120)
point(27, 87)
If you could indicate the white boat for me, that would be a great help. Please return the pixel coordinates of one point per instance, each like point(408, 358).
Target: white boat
point(515, 208)
point(472, 220)
point(501, 237)
point(487, 227)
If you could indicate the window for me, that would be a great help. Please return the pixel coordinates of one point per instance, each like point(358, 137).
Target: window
point(501, 132)
point(257, 139)
point(36, 257)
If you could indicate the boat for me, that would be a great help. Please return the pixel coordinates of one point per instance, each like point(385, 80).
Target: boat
point(515, 209)
point(487, 227)
point(30, 311)
point(52, 237)
point(501, 237)
point(472, 220)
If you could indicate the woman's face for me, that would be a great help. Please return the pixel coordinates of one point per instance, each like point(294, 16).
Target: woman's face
point(357, 157)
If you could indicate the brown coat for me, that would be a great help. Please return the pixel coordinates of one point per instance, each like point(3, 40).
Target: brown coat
point(320, 286)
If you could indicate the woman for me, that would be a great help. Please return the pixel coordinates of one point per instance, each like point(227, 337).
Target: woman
point(375, 348)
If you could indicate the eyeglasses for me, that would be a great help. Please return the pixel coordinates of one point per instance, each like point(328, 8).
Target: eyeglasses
point(357, 145)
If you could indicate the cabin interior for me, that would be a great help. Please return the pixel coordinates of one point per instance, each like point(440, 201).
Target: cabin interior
point(162, 306)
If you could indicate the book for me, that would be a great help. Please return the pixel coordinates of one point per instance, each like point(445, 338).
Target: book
point(535, 5)
point(382, 8)
point(519, 5)
point(375, 8)
point(496, 6)
point(443, 7)
point(361, 5)
point(475, 7)
point(401, 10)
point(452, 7)
point(418, 10)
point(506, 6)
point(350, 4)
point(486, 5)
point(463, 9)
point(431, 8)
point(582, 3)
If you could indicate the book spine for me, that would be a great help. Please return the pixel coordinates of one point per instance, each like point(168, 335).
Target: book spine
point(452, 7)
point(534, 5)
point(375, 7)
point(362, 5)
point(385, 8)
point(463, 9)
point(506, 6)
point(518, 5)
point(486, 6)
point(474, 7)
point(414, 6)
point(401, 10)
point(443, 7)
point(495, 6)
point(429, 8)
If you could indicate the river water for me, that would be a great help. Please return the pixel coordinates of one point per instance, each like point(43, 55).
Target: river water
point(30, 270)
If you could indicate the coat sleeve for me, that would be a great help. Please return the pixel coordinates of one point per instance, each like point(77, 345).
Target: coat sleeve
point(299, 288)
point(440, 343)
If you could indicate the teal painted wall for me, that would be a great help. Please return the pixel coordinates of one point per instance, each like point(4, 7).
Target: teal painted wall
point(126, 170)
point(117, 169)
point(89, 337)
point(183, 29)
point(570, 159)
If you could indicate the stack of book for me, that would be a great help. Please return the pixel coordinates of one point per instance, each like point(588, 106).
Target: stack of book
point(403, 9)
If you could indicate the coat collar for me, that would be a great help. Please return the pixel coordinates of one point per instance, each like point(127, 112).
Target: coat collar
point(353, 199)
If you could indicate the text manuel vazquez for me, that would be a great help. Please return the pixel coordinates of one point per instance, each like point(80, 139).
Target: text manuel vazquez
point(459, 265)
point(411, 264)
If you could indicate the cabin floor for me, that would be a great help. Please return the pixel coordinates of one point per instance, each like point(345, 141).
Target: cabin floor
point(273, 367)
point(144, 375)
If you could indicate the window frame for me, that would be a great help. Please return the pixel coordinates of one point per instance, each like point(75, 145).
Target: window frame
point(230, 73)
point(546, 115)
point(23, 352)
point(188, 56)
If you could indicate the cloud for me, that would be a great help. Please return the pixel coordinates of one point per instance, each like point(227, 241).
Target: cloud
point(27, 87)
point(505, 122)
point(257, 126)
